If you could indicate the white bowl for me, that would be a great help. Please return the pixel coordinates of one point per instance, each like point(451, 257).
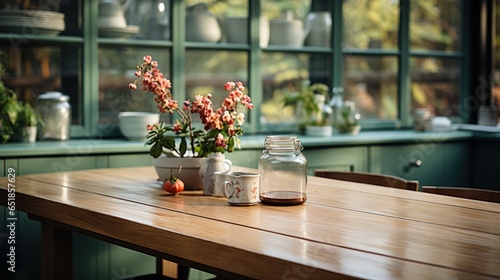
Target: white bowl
point(319, 131)
point(133, 124)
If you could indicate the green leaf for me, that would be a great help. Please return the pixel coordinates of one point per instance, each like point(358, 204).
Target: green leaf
point(183, 147)
point(168, 142)
point(230, 145)
point(155, 150)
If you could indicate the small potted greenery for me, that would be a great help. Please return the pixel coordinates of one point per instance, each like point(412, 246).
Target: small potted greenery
point(27, 122)
point(18, 120)
point(9, 108)
point(312, 108)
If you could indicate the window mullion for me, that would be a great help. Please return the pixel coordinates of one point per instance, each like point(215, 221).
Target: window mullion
point(404, 93)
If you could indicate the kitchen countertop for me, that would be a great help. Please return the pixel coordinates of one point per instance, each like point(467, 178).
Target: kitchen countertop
point(248, 142)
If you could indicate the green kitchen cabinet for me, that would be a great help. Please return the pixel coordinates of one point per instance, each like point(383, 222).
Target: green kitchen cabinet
point(130, 160)
point(56, 164)
point(342, 158)
point(442, 164)
point(486, 162)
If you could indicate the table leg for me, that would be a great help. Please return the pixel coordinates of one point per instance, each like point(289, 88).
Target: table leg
point(56, 253)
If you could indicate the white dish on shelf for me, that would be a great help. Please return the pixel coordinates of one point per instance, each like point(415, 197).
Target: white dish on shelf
point(31, 22)
point(117, 32)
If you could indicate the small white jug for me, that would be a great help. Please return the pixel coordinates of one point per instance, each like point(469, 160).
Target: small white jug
point(216, 162)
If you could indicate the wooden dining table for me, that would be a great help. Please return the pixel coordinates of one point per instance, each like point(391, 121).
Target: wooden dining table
point(344, 230)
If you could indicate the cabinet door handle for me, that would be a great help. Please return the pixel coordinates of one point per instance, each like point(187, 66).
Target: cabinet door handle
point(414, 163)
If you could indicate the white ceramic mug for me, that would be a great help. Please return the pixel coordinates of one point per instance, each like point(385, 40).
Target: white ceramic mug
point(242, 188)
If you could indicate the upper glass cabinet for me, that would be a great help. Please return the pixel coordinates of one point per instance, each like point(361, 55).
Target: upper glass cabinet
point(387, 56)
point(148, 19)
point(42, 46)
point(212, 21)
point(49, 18)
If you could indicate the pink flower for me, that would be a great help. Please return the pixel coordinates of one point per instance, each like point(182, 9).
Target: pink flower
point(220, 141)
point(229, 86)
point(225, 120)
point(240, 118)
point(177, 127)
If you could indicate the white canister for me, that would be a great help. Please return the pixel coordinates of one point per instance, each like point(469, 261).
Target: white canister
point(55, 112)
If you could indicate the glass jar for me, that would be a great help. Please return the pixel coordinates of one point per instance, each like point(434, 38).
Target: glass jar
point(283, 171)
point(55, 111)
point(347, 118)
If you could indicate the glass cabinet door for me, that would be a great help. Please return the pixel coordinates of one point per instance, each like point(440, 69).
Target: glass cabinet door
point(41, 48)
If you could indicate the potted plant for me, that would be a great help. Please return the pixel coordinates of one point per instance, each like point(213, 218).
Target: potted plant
point(181, 139)
point(18, 120)
point(26, 126)
point(9, 111)
point(312, 109)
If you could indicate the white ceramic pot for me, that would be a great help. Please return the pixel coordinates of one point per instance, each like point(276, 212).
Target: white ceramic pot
point(201, 25)
point(318, 26)
point(25, 134)
point(190, 173)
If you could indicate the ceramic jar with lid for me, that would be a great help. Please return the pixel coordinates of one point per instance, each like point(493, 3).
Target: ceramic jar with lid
point(55, 111)
point(283, 171)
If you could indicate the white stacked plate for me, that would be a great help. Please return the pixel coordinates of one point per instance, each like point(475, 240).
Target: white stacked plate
point(31, 22)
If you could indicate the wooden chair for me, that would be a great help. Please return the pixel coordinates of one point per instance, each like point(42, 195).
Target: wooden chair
point(471, 193)
point(369, 178)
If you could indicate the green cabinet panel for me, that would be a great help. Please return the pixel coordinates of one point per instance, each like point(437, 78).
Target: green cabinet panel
point(55, 164)
point(443, 164)
point(130, 160)
point(2, 168)
point(486, 164)
point(11, 163)
point(348, 158)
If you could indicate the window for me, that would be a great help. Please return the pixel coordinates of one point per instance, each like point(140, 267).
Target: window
point(388, 56)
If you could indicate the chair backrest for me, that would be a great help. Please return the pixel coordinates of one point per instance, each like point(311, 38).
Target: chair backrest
point(471, 193)
point(369, 178)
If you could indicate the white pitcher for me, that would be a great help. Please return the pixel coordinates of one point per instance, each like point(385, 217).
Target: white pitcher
point(318, 28)
point(216, 162)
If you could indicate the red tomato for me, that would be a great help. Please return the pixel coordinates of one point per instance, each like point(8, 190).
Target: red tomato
point(173, 186)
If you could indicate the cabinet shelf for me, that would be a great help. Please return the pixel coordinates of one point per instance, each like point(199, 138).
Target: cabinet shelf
point(134, 42)
point(40, 38)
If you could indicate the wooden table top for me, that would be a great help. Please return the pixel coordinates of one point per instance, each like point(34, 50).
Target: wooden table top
point(344, 230)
